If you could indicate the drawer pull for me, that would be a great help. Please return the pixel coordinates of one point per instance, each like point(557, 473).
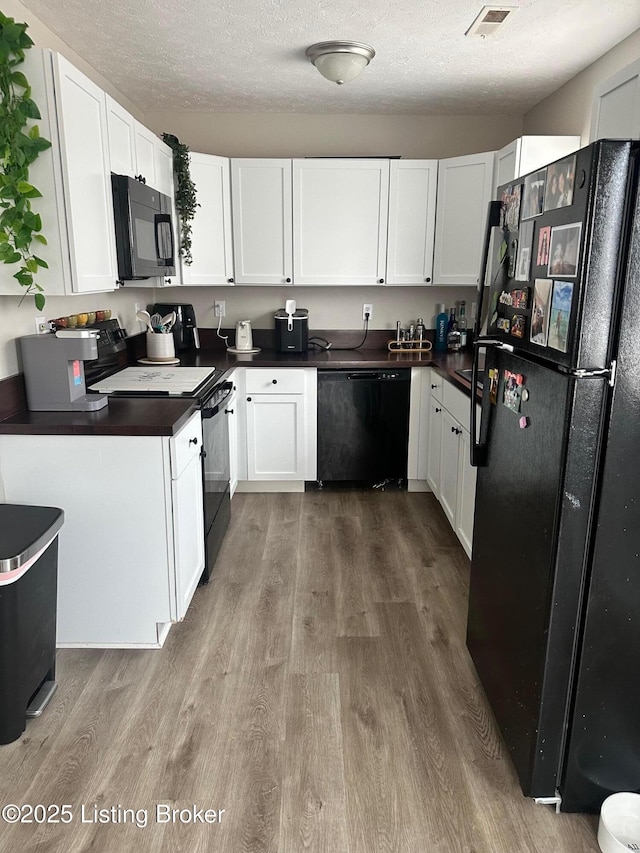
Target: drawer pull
point(228, 411)
point(193, 441)
point(274, 381)
point(248, 399)
point(433, 386)
point(438, 410)
point(456, 430)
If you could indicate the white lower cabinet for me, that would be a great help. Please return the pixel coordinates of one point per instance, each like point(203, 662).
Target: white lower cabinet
point(277, 428)
point(449, 450)
point(445, 439)
point(131, 550)
point(466, 498)
point(231, 411)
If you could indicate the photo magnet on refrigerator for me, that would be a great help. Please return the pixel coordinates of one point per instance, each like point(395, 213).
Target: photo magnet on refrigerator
point(493, 385)
point(512, 393)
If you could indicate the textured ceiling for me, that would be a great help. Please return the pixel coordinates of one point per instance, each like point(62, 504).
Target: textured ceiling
point(248, 55)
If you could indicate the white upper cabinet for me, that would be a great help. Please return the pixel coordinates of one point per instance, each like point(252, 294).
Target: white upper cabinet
point(165, 185)
point(145, 144)
point(261, 212)
point(211, 247)
point(528, 153)
point(412, 213)
point(84, 148)
point(615, 111)
point(340, 210)
point(122, 146)
point(465, 186)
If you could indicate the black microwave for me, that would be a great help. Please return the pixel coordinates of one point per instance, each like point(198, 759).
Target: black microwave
point(144, 232)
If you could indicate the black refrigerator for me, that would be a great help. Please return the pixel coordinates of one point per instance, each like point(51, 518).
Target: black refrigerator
point(554, 602)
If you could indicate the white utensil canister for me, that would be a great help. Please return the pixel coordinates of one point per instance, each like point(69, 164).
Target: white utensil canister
point(160, 347)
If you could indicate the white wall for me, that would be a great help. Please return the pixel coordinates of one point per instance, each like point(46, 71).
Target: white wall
point(568, 110)
point(16, 318)
point(329, 307)
point(296, 135)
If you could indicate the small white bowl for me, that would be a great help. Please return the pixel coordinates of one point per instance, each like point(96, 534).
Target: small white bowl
point(619, 827)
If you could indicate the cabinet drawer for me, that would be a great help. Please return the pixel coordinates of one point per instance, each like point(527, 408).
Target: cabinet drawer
point(266, 380)
point(185, 445)
point(435, 384)
point(457, 403)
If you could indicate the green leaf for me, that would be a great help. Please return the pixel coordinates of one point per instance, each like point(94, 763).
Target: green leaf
point(18, 78)
point(13, 258)
point(41, 263)
point(39, 299)
point(30, 108)
point(40, 238)
point(33, 193)
point(23, 277)
point(3, 237)
point(32, 265)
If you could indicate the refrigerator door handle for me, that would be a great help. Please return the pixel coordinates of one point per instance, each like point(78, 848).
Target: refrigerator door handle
point(493, 221)
point(478, 448)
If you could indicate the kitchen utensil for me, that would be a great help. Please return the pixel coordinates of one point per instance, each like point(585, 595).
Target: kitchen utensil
point(160, 347)
point(185, 327)
point(156, 322)
point(144, 317)
point(168, 320)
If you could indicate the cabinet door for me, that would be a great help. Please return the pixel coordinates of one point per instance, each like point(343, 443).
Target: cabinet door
point(507, 165)
point(188, 532)
point(164, 174)
point(231, 411)
point(145, 145)
point(82, 121)
point(275, 437)
point(465, 186)
point(412, 219)
point(261, 208)
point(211, 227)
point(419, 413)
point(121, 129)
point(615, 110)
point(340, 211)
point(466, 494)
point(45, 174)
point(434, 451)
point(450, 445)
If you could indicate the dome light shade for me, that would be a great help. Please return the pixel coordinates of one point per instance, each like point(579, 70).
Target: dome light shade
point(340, 61)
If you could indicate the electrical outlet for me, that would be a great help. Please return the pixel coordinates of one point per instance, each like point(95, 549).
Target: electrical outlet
point(367, 309)
point(219, 309)
point(42, 326)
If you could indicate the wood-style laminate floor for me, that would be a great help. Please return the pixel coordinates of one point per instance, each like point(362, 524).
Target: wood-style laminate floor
point(319, 691)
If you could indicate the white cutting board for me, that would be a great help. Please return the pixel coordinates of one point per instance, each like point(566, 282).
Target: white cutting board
point(169, 379)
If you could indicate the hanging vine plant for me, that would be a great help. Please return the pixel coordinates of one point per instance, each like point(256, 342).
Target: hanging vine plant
point(185, 193)
point(19, 147)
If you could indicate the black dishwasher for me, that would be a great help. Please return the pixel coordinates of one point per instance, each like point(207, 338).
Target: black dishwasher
point(363, 425)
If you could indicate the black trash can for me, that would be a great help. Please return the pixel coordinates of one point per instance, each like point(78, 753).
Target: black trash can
point(28, 596)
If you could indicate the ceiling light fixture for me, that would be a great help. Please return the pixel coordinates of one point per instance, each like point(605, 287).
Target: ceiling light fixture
point(340, 61)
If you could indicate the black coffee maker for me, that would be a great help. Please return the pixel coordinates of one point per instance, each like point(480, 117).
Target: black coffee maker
point(185, 329)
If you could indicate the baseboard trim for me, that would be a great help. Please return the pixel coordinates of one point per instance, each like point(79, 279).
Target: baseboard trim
point(418, 486)
point(270, 486)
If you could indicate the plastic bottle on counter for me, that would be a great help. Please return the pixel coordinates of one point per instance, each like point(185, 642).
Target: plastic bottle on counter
point(441, 330)
point(420, 332)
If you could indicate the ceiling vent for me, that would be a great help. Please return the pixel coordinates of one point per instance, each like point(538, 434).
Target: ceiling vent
point(490, 20)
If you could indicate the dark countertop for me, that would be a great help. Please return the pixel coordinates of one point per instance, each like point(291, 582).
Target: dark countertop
point(165, 417)
point(123, 416)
